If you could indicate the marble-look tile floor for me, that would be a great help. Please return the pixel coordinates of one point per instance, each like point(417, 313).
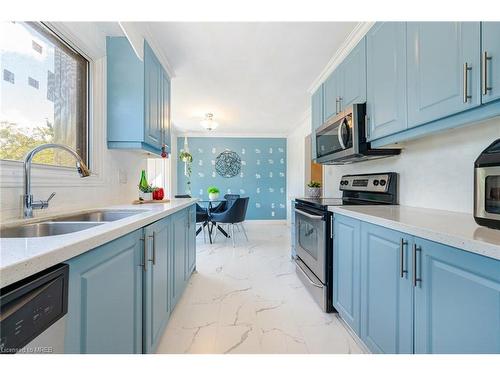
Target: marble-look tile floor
point(247, 299)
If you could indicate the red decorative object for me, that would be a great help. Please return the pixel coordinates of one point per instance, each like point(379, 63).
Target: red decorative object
point(158, 194)
point(164, 153)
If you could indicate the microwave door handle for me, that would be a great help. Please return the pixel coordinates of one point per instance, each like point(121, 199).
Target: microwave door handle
point(339, 134)
point(315, 217)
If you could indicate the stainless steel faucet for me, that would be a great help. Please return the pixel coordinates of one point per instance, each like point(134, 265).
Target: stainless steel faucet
point(29, 203)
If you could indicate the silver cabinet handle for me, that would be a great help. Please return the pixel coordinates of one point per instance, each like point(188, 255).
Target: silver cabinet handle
point(486, 58)
point(315, 217)
point(153, 260)
point(415, 278)
point(402, 244)
point(466, 82)
point(144, 256)
point(307, 276)
point(340, 104)
point(337, 105)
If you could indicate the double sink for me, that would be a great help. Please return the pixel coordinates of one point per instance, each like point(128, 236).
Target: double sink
point(66, 224)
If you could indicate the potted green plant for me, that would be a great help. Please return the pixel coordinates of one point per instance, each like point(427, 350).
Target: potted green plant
point(187, 159)
point(314, 189)
point(146, 192)
point(213, 193)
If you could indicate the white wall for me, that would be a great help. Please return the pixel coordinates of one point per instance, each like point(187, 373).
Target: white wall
point(435, 171)
point(115, 174)
point(295, 161)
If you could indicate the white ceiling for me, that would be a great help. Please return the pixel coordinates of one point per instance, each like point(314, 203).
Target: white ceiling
point(252, 76)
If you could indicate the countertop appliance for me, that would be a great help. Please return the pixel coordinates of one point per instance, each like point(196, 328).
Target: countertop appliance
point(487, 187)
point(31, 311)
point(314, 228)
point(342, 139)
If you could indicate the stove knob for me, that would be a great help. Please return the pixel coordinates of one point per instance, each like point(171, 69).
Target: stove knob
point(375, 182)
point(346, 182)
point(382, 182)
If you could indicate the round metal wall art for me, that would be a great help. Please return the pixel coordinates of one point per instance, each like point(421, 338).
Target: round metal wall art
point(228, 164)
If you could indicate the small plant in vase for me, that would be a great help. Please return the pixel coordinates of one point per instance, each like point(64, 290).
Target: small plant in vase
point(314, 189)
point(187, 159)
point(146, 192)
point(213, 193)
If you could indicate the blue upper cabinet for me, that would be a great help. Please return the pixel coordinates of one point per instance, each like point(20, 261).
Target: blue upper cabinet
point(138, 105)
point(346, 84)
point(490, 58)
point(386, 290)
point(157, 282)
point(317, 108)
point(353, 77)
point(386, 79)
point(443, 69)
point(331, 93)
point(346, 269)
point(105, 299)
point(457, 301)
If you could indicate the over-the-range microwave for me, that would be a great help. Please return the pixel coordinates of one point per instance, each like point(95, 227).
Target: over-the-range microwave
point(342, 139)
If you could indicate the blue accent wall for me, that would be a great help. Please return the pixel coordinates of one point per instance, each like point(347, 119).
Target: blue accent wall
point(262, 176)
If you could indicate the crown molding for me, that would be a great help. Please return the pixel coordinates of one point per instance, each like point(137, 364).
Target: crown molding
point(349, 43)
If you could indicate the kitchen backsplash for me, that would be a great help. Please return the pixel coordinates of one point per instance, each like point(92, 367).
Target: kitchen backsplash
point(435, 172)
point(262, 176)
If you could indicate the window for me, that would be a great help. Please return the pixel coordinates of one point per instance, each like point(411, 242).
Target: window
point(37, 47)
point(56, 112)
point(8, 76)
point(33, 83)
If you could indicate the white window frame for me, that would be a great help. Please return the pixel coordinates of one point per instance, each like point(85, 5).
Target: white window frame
point(92, 47)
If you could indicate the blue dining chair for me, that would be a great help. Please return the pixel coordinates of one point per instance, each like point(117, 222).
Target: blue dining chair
point(233, 216)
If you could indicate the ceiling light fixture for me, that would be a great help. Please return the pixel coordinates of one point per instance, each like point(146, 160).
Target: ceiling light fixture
point(208, 123)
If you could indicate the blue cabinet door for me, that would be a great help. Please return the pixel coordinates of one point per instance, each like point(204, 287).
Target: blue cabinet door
point(105, 298)
point(179, 245)
point(331, 94)
point(153, 96)
point(191, 241)
point(125, 92)
point(457, 301)
point(157, 237)
point(439, 83)
point(165, 123)
point(386, 79)
point(386, 290)
point(317, 108)
point(490, 37)
point(346, 269)
point(353, 77)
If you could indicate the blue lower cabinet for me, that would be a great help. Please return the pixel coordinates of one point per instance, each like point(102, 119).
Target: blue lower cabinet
point(191, 242)
point(105, 298)
point(157, 280)
point(457, 301)
point(346, 269)
point(386, 290)
point(179, 255)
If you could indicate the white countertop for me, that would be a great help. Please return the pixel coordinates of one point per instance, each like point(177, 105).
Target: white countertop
point(450, 228)
point(22, 257)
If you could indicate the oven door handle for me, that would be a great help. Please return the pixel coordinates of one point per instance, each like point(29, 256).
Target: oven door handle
point(307, 276)
point(314, 217)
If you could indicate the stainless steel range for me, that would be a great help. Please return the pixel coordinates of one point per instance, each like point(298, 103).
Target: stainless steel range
point(314, 228)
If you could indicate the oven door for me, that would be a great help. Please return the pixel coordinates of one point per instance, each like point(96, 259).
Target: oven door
point(487, 191)
point(310, 232)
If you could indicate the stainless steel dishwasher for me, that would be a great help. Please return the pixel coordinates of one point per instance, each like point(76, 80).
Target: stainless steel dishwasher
point(32, 313)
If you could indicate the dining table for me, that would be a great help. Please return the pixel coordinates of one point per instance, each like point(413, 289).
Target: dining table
point(211, 205)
